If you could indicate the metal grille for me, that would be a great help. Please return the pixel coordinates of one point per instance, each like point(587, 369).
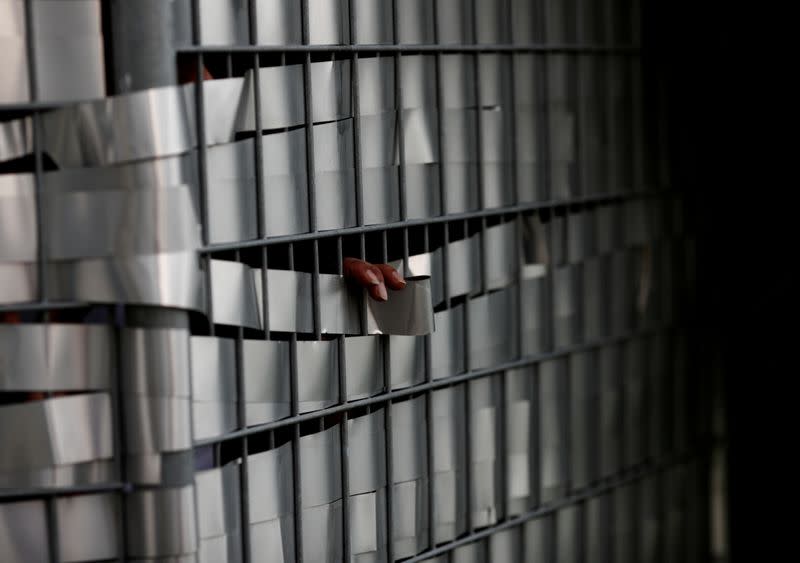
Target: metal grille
point(568, 423)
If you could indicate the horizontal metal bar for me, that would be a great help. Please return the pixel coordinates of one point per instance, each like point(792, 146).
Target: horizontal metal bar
point(623, 478)
point(430, 385)
point(41, 106)
point(7, 495)
point(519, 208)
point(593, 49)
point(43, 306)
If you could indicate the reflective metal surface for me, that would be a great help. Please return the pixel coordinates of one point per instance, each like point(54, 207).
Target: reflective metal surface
point(161, 522)
point(68, 61)
point(59, 431)
point(214, 397)
point(56, 357)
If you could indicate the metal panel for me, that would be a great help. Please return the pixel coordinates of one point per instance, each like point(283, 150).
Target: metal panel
point(23, 531)
point(45, 357)
point(496, 149)
point(59, 431)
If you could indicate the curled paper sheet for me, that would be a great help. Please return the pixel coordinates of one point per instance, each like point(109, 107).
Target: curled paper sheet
point(321, 468)
point(564, 306)
point(155, 362)
point(518, 413)
point(366, 455)
point(68, 51)
point(166, 469)
point(56, 357)
point(634, 367)
point(409, 441)
point(447, 343)
point(593, 285)
point(169, 280)
point(410, 517)
point(469, 553)
point(121, 223)
point(59, 431)
point(408, 311)
point(368, 525)
point(483, 406)
point(270, 484)
point(157, 424)
point(161, 522)
point(214, 399)
point(567, 525)
point(236, 294)
point(364, 356)
point(18, 236)
point(233, 294)
point(23, 531)
point(265, 365)
point(218, 509)
point(16, 138)
point(317, 374)
point(88, 526)
point(406, 360)
point(610, 438)
point(552, 399)
point(493, 327)
point(110, 130)
point(450, 462)
point(582, 435)
point(325, 544)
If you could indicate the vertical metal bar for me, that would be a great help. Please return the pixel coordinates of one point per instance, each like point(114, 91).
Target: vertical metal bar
point(52, 529)
point(440, 106)
point(120, 448)
point(467, 406)
point(30, 51)
point(202, 171)
point(576, 285)
point(502, 450)
point(565, 420)
point(543, 149)
point(543, 100)
point(534, 440)
point(573, 98)
point(479, 144)
point(593, 418)
point(356, 108)
point(343, 434)
point(297, 496)
point(398, 103)
point(41, 205)
point(310, 167)
point(622, 448)
point(429, 428)
point(387, 386)
point(241, 422)
point(33, 86)
point(357, 175)
point(580, 532)
point(202, 178)
point(261, 217)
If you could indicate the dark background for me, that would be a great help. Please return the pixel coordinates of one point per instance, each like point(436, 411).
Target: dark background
point(731, 144)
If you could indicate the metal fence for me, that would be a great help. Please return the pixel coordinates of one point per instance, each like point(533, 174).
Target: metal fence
point(250, 405)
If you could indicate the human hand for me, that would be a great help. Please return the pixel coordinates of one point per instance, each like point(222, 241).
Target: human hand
point(373, 277)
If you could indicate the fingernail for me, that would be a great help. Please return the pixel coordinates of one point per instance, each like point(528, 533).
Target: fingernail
point(382, 295)
point(373, 279)
point(398, 278)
